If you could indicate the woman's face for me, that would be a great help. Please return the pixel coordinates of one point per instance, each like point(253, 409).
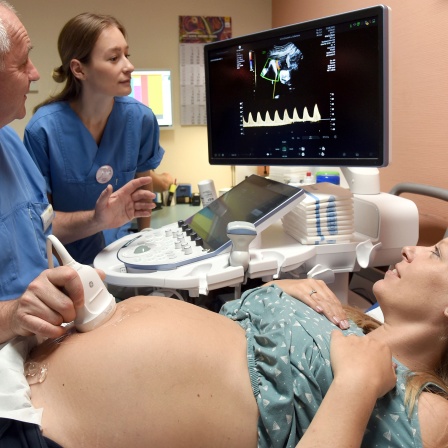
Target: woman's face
point(419, 279)
point(109, 70)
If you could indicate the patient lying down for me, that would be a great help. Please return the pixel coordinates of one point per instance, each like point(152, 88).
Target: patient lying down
point(164, 373)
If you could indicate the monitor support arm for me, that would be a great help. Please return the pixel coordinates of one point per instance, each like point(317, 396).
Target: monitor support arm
point(362, 180)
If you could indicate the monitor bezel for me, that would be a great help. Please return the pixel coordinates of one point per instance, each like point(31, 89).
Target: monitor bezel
point(383, 156)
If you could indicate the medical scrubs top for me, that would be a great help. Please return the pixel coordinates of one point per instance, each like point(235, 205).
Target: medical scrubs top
point(23, 200)
point(71, 161)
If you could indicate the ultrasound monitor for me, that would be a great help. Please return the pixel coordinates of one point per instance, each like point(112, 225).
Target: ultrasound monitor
point(312, 94)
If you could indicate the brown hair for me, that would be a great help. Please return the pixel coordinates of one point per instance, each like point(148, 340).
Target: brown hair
point(76, 41)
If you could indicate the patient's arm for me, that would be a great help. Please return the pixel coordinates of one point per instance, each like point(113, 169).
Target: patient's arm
point(432, 414)
point(161, 181)
point(323, 300)
point(363, 371)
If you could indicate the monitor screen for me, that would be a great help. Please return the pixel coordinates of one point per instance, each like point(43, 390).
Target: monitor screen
point(153, 88)
point(312, 93)
point(253, 200)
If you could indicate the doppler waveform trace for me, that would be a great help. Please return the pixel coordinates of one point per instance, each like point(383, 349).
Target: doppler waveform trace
point(286, 120)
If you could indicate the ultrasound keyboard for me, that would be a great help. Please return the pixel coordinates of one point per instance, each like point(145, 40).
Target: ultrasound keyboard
point(163, 249)
point(255, 200)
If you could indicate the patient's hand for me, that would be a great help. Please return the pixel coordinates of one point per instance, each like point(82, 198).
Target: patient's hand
point(362, 363)
point(323, 300)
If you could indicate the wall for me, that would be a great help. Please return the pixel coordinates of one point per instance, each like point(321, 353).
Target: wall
point(153, 38)
point(419, 45)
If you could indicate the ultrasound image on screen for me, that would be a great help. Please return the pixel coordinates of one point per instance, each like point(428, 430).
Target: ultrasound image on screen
point(312, 94)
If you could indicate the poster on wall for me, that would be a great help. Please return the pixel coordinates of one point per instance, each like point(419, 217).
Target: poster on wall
point(194, 33)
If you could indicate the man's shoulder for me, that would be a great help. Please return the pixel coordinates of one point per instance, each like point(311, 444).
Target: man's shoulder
point(9, 135)
point(13, 151)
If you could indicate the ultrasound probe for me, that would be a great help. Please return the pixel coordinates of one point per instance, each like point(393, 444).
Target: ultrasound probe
point(99, 304)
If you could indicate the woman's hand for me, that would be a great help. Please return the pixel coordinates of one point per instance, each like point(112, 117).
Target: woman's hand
point(113, 209)
point(362, 363)
point(317, 295)
point(363, 372)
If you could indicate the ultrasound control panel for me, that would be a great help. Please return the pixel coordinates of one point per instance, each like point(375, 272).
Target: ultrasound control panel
point(162, 249)
point(256, 200)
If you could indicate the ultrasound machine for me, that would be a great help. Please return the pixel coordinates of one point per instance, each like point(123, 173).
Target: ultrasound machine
point(313, 94)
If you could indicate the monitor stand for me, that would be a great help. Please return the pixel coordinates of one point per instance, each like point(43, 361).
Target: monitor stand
point(362, 180)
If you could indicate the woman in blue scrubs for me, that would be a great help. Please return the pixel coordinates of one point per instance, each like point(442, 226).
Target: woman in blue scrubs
point(91, 134)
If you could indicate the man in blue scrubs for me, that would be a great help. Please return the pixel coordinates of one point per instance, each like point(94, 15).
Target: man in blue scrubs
point(33, 299)
point(25, 218)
